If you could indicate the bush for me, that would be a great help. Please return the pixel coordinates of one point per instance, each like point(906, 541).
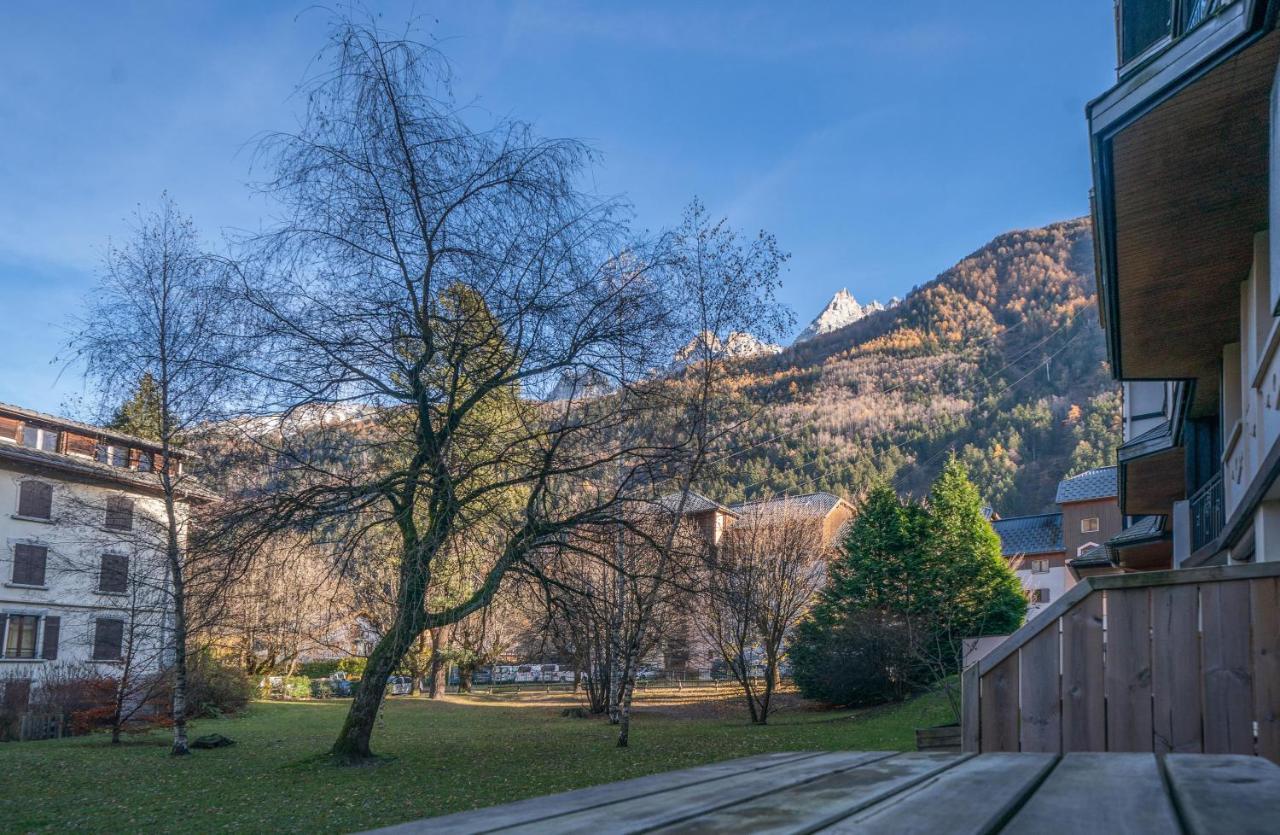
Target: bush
point(353, 666)
point(321, 689)
point(318, 669)
point(214, 688)
point(296, 687)
point(865, 659)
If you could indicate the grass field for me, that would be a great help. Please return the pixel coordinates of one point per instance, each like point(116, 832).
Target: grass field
point(460, 753)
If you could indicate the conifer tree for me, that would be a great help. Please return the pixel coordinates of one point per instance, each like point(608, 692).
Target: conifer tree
point(140, 414)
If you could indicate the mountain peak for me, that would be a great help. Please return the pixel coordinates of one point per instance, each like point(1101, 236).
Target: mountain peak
point(843, 309)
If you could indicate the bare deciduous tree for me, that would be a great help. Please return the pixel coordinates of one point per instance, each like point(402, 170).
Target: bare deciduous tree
point(757, 587)
point(160, 312)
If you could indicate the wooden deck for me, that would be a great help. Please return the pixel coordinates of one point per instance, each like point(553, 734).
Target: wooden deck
point(888, 792)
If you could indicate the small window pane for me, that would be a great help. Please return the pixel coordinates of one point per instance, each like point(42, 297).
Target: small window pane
point(108, 639)
point(102, 453)
point(144, 462)
point(119, 456)
point(21, 638)
point(1142, 23)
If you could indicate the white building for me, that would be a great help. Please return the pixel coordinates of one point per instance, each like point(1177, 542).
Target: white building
point(83, 578)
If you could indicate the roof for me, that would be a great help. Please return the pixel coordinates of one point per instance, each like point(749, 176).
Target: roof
point(694, 503)
point(1098, 556)
point(1145, 529)
point(819, 504)
point(95, 470)
point(87, 428)
point(1040, 534)
point(1099, 483)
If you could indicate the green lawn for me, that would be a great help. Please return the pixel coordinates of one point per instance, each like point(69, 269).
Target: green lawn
point(440, 757)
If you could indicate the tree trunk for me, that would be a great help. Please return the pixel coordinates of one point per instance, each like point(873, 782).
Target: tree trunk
point(464, 678)
point(624, 711)
point(437, 671)
point(174, 553)
point(352, 746)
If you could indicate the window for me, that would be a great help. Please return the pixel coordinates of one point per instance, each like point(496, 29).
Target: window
point(1039, 566)
point(20, 636)
point(144, 462)
point(108, 639)
point(1142, 24)
point(119, 513)
point(1088, 546)
point(113, 575)
point(37, 438)
point(29, 564)
point(1039, 596)
point(1089, 525)
point(35, 500)
point(116, 456)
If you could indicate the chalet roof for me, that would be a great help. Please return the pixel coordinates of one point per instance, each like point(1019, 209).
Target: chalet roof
point(1143, 530)
point(86, 428)
point(1098, 556)
point(1040, 534)
point(89, 469)
point(1100, 483)
point(819, 504)
point(694, 504)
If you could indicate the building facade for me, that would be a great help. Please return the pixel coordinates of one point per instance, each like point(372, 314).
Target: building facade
point(83, 576)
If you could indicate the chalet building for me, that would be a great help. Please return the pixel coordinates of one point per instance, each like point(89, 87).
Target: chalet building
point(829, 511)
point(1051, 551)
point(82, 569)
point(1186, 202)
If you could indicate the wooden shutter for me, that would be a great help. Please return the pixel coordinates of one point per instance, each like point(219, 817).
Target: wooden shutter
point(81, 444)
point(10, 429)
point(52, 630)
point(119, 513)
point(35, 499)
point(29, 564)
point(108, 639)
point(113, 576)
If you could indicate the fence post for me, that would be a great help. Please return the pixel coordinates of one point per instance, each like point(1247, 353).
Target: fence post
point(970, 684)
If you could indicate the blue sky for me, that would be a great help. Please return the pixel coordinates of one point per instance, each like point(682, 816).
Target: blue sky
point(881, 142)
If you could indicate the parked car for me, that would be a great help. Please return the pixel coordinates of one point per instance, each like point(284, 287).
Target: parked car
point(399, 686)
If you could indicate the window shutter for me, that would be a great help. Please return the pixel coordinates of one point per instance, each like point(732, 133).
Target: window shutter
point(10, 429)
point(108, 639)
point(35, 499)
point(52, 629)
point(113, 576)
point(119, 513)
point(81, 444)
point(29, 564)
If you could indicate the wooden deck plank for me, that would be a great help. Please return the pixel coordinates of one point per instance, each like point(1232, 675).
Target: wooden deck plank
point(651, 811)
point(1128, 670)
point(972, 798)
point(1228, 684)
point(821, 802)
point(551, 805)
point(1225, 793)
point(999, 722)
point(1089, 793)
point(1264, 611)
point(1175, 670)
point(1041, 693)
point(1084, 721)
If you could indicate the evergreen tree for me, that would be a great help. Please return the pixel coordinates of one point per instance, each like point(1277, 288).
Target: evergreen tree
point(140, 413)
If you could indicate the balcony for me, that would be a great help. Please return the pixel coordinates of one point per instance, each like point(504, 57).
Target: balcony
point(1144, 26)
point(1181, 661)
point(1207, 513)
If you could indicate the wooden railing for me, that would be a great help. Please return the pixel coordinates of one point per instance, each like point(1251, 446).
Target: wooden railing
point(1168, 661)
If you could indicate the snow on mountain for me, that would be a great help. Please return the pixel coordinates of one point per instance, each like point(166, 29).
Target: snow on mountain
point(583, 385)
point(843, 309)
point(738, 345)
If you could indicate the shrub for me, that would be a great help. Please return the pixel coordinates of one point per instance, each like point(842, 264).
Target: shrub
point(321, 689)
point(864, 659)
point(296, 687)
point(353, 666)
point(214, 688)
point(320, 669)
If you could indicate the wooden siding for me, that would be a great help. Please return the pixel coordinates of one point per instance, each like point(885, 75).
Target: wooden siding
point(1167, 662)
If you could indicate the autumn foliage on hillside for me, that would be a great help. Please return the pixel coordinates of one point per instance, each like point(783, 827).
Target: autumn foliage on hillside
point(999, 359)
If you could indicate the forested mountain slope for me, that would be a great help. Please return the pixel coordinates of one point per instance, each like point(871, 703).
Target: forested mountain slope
point(1000, 358)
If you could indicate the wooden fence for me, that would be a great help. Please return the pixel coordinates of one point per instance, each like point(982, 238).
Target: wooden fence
point(1183, 661)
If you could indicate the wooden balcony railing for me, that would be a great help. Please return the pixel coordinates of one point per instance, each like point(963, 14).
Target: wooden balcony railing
point(1208, 513)
point(1180, 661)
